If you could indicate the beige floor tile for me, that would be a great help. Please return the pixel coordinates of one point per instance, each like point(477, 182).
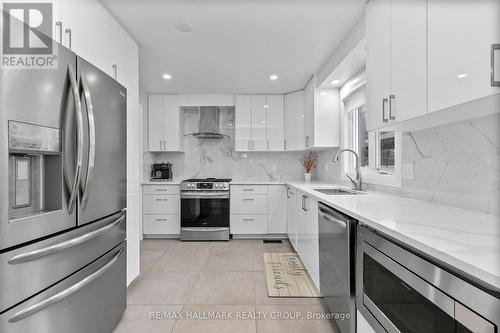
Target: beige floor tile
point(137, 318)
point(259, 248)
point(230, 325)
point(223, 288)
point(158, 244)
point(262, 298)
point(161, 288)
point(226, 260)
point(181, 261)
point(239, 245)
point(301, 325)
point(148, 258)
point(186, 246)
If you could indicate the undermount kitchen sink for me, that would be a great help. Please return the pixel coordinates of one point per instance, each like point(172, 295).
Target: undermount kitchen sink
point(337, 191)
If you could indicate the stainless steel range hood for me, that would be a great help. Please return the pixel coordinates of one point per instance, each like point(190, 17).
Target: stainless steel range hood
point(208, 123)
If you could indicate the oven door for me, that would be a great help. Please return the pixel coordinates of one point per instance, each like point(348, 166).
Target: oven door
point(204, 209)
point(395, 298)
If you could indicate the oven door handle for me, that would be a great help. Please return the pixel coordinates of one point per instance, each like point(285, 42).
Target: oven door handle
point(204, 195)
point(432, 294)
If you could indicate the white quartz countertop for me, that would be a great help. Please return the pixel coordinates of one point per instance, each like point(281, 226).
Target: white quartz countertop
point(264, 182)
point(170, 182)
point(466, 240)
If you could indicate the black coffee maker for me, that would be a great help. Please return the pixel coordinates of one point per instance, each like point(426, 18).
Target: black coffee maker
point(161, 172)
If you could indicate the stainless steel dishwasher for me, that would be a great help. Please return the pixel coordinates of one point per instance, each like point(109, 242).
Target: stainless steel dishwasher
point(337, 233)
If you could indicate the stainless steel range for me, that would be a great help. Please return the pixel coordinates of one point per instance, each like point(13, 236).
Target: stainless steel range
point(205, 209)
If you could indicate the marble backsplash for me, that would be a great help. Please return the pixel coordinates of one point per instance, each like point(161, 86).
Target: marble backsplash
point(456, 164)
point(217, 157)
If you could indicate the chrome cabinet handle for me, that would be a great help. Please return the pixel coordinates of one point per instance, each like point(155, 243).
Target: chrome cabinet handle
point(66, 292)
point(248, 190)
point(68, 38)
point(284, 145)
point(115, 72)
point(384, 108)
point(161, 220)
point(248, 199)
point(91, 148)
point(58, 32)
point(73, 189)
point(392, 107)
point(332, 219)
point(161, 190)
point(307, 141)
point(46, 251)
point(253, 145)
point(494, 48)
point(158, 199)
point(249, 220)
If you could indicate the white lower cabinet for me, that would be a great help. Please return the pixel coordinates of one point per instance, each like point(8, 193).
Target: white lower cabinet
point(276, 209)
point(308, 236)
point(248, 224)
point(293, 210)
point(161, 224)
point(258, 210)
point(161, 210)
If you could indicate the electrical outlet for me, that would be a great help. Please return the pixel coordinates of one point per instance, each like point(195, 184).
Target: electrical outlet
point(326, 167)
point(407, 171)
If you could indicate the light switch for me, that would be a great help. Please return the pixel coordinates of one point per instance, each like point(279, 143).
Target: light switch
point(407, 171)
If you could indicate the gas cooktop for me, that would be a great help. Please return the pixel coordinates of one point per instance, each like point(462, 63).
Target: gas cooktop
point(208, 180)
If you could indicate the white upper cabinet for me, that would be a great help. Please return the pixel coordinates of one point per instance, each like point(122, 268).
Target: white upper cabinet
point(104, 42)
point(428, 56)
point(396, 61)
point(243, 122)
point(275, 122)
point(408, 78)
point(164, 123)
point(294, 121)
point(461, 35)
point(259, 123)
point(309, 113)
point(378, 63)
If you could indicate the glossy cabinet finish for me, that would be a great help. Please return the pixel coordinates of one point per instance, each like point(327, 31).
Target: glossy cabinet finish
point(276, 209)
point(275, 122)
point(165, 126)
point(292, 215)
point(161, 210)
point(294, 121)
point(243, 122)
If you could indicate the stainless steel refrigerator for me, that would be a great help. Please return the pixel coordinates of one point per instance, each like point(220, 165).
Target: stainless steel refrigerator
point(62, 199)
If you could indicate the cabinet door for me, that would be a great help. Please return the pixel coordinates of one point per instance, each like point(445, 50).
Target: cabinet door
point(259, 123)
point(377, 62)
point(171, 123)
point(291, 217)
point(408, 97)
point(155, 122)
point(275, 122)
point(311, 244)
point(243, 122)
point(309, 113)
point(302, 201)
point(294, 121)
point(276, 209)
point(459, 50)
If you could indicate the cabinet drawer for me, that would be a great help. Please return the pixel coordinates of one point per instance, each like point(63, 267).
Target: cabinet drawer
point(161, 204)
point(161, 189)
point(161, 224)
point(249, 204)
point(248, 224)
point(248, 189)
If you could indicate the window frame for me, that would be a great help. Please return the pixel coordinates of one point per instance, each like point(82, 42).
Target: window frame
point(370, 173)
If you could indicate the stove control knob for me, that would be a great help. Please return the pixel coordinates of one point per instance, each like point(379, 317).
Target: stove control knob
point(217, 185)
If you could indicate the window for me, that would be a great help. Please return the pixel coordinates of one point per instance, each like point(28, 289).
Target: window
point(379, 152)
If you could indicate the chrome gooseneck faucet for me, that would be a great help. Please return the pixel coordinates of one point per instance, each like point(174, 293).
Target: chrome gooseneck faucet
point(358, 182)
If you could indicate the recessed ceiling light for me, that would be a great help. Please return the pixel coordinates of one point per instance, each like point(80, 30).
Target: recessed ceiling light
point(167, 76)
point(273, 77)
point(184, 27)
point(323, 93)
point(335, 82)
point(266, 106)
point(461, 76)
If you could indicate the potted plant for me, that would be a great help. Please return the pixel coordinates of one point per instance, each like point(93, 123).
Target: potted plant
point(308, 161)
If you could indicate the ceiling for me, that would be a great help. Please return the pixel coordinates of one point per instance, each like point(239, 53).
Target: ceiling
point(235, 45)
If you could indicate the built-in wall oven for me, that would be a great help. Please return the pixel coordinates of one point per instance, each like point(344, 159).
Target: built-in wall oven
point(400, 291)
point(205, 209)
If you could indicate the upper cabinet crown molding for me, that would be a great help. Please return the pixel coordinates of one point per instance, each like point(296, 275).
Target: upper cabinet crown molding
point(422, 60)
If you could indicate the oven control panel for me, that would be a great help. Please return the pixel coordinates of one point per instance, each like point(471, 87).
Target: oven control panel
point(205, 186)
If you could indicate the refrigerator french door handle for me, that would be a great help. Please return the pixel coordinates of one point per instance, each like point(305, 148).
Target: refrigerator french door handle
point(46, 251)
point(29, 311)
point(91, 147)
point(73, 188)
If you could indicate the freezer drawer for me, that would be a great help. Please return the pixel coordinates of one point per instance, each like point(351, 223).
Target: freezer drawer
point(30, 269)
point(92, 300)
